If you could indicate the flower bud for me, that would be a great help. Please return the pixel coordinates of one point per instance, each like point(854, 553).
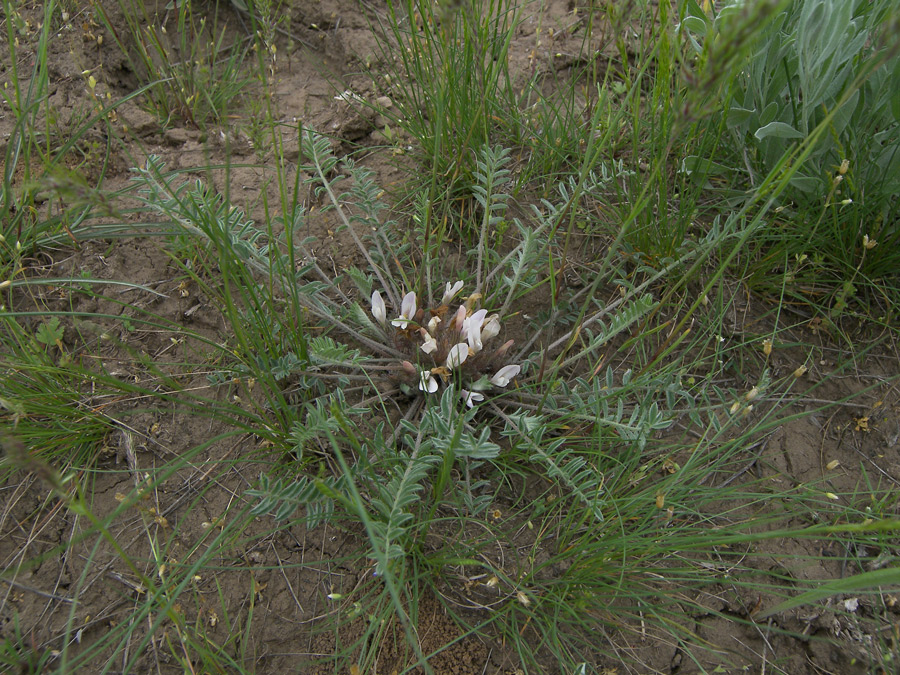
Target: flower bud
point(501, 352)
point(379, 311)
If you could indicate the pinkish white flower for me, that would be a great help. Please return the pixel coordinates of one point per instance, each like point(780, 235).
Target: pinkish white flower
point(457, 356)
point(470, 397)
point(503, 376)
point(490, 328)
point(451, 291)
point(459, 321)
point(473, 335)
point(378, 309)
point(471, 330)
point(427, 383)
point(429, 344)
point(407, 311)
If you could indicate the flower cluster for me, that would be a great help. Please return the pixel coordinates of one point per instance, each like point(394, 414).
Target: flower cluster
point(444, 344)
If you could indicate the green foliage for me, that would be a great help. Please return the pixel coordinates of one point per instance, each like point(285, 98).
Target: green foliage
point(50, 332)
point(820, 58)
point(391, 479)
point(830, 71)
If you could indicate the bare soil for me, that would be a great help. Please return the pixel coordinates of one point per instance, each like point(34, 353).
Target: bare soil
point(266, 576)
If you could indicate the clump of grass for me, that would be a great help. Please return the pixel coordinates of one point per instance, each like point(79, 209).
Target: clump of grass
point(455, 88)
point(190, 66)
point(44, 192)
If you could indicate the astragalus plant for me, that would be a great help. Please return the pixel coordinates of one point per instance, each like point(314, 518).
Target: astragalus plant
point(432, 410)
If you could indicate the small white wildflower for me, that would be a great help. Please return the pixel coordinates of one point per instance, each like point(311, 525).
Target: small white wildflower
point(505, 375)
point(451, 291)
point(427, 383)
point(457, 356)
point(473, 335)
point(430, 343)
point(470, 397)
point(379, 311)
point(478, 317)
point(473, 330)
point(407, 311)
point(490, 328)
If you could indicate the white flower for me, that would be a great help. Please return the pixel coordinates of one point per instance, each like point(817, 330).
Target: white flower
point(378, 309)
point(478, 317)
point(470, 397)
point(473, 335)
point(451, 291)
point(503, 376)
point(472, 330)
point(407, 311)
point(427, 383)
point(490, 328)
point(430, 343)
point(457, 356)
